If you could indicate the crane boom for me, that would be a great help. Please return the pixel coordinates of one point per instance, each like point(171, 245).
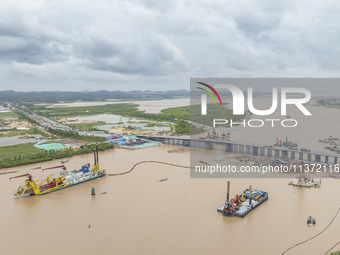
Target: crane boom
point(62, 166)
point(23, 175)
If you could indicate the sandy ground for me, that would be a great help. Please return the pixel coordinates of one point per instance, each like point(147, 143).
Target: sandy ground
point(120, 130)
point(65, 120)
point(19, 124)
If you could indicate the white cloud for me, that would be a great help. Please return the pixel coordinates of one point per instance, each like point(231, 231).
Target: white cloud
point(48, 45)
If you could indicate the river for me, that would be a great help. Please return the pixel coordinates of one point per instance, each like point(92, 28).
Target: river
point(141, 215)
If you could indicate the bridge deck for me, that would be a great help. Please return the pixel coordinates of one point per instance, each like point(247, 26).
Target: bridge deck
point(246, 148)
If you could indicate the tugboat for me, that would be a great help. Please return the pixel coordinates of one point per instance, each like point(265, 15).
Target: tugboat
point(65, 180)
point(241, 205)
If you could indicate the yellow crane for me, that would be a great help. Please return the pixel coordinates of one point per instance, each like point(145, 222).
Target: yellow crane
point(32, 188)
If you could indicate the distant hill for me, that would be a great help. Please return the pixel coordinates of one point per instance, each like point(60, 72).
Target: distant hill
point(100, 95)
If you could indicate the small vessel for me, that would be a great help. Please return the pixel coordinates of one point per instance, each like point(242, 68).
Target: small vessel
point(65, 180)
point(311, 221)
point(241, 205)
point(305, 181)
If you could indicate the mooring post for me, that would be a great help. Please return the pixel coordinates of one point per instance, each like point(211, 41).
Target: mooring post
point(228, 190)
point(250, 194)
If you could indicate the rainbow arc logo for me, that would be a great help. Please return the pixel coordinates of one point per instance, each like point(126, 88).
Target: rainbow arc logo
point(204, 97)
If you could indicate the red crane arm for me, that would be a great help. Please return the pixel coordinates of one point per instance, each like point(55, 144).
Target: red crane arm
point(62, 166)
point(23, 175)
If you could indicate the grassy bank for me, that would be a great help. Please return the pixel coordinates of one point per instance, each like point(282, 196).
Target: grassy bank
point(5, 115)
point(19, 150)
point(23, 154)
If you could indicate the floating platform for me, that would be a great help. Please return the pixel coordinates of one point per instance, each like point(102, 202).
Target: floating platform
point(242, 207)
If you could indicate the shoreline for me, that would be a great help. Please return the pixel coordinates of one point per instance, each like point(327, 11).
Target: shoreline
point(57, 158)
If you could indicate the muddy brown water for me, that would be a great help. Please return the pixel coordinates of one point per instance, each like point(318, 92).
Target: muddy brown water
point(140, 215)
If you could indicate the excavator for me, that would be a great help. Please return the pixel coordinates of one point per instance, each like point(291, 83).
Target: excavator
point(231, 206)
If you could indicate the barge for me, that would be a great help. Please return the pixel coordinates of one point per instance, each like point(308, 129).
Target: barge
point(66, 179)
point(243, 204)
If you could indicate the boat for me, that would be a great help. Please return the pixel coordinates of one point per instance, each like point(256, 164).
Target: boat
point(305, 181)
point(65, 180)
point(241, 205)
point(311, 221)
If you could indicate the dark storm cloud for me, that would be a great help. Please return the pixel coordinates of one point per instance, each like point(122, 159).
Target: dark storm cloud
point(149, 44)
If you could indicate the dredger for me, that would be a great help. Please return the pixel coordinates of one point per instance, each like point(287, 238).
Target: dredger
point(65, 180)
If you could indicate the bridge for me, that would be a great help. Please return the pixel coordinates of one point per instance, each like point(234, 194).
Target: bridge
point(247, 148)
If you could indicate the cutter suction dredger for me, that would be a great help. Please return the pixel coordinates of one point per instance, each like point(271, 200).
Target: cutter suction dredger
point(65, 180)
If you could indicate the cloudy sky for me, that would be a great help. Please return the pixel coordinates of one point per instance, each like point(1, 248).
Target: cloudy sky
point(159, 45)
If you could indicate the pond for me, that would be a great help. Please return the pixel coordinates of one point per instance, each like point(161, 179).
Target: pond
point(13, 140)
point(115, 120)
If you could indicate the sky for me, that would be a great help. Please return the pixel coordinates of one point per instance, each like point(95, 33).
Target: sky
point(159, 45)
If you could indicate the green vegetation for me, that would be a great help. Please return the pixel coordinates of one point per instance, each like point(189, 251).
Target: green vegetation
point(193, 113)
point(119, 109)
point(5, 115)
point(335, 253)
point(100, 95)
point(19, 150)
point(75, 135)
point(22, 154)
point(23, 116)
point(178, 112)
